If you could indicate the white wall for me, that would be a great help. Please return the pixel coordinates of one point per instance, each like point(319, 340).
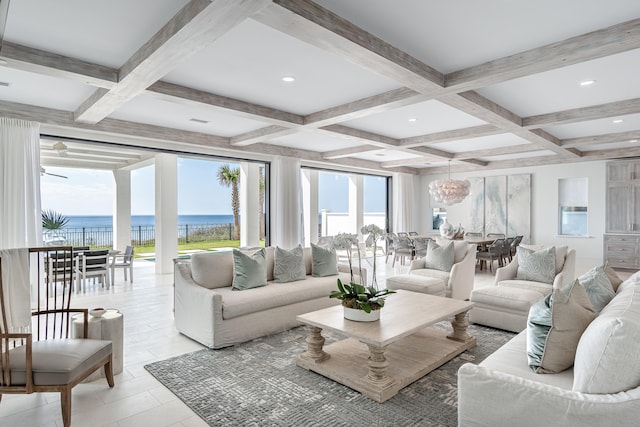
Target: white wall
point(544, 209)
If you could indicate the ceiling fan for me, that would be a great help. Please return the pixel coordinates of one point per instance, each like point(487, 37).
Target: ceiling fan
point(61, 148)
point(43, 171)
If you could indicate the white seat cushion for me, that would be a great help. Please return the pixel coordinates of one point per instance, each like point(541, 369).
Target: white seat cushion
point(415, 283)
point(503, 297)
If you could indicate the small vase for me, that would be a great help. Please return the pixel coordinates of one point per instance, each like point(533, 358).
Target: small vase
point(361, 315)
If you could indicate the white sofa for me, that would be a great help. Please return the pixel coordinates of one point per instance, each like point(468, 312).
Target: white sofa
point(210, 312)
point(602, 388)
point(458, 281)
point(505, 304)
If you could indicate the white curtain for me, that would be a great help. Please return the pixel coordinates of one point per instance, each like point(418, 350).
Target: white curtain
point(403, 202)
point(286, 203)
point(20, 216)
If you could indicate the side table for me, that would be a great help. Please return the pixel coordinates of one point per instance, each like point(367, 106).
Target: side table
point(110, 326)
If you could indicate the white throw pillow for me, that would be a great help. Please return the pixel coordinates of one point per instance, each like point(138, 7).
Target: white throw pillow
point(607, 356)
point(459, 248)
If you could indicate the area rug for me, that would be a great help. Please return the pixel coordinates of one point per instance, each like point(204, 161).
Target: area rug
point(258, 384)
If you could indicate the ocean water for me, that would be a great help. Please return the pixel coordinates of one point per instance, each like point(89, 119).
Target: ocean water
point(106, 221)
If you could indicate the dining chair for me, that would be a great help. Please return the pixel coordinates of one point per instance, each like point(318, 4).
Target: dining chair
point(420, 245)
point(59, 267)
point(514, 246)
point(389, 243)
point(493, 253)
point(402, 248)
point(413, 233)
point(497, 235)
point(46, 359)
point(92, 264)
point(123, 261)
point(403, 234)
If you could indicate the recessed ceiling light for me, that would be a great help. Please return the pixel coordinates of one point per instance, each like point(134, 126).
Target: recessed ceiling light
point(412, 119)
point(618, 121)
point(199, 121)
point(288, 79)
point(587, 82)
point(633, 140)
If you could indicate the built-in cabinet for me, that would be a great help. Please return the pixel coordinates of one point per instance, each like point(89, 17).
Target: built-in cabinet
point(622, 238)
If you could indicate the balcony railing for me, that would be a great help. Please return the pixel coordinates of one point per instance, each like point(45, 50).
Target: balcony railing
point(143, 235)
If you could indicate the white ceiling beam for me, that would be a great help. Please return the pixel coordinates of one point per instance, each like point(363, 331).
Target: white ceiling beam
point(200, 99)
point(348, 152)
point(601, 139)
point(594, 112)
point(53, 65)
point(192, 29)
point(451, 135)
point(596, 44)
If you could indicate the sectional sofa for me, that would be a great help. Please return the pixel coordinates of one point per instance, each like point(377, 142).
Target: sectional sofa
point(601, 389)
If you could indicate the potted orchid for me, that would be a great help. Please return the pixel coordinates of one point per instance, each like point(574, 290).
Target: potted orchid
point(360, 302)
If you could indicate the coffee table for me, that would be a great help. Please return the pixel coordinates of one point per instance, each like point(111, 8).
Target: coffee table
point(380, 358)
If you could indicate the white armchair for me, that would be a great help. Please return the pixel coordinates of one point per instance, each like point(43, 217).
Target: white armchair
point(565, 272)
point(459, 281)
point(506, 303)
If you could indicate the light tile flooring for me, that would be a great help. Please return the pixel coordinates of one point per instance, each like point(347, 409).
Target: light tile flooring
point(150, 335)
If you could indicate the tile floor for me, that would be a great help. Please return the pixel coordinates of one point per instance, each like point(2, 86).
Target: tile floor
point(137, 399)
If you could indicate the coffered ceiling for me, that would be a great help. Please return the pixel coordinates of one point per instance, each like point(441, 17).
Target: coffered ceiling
point(405, 86)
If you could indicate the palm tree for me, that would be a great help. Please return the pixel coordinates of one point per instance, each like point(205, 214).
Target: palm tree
point(230, 177)
point(52, 220)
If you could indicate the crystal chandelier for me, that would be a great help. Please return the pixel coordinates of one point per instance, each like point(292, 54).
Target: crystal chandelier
point(449, 191)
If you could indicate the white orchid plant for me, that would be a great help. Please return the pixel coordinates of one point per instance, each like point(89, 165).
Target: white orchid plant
point(357, 295)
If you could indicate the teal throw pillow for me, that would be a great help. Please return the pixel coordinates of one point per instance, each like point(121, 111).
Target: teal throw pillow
point(598, 286)
point(249, 270)
point(537, 266)
point(323, 261)
point(289, 265)
point(439, 257)
point(554, 327)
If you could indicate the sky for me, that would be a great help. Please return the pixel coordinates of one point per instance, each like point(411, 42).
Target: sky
point(91, 192)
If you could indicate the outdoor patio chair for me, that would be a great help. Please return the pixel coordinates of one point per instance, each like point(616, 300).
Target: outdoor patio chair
point(92, 264)
point(46, 359)
point(123, 261)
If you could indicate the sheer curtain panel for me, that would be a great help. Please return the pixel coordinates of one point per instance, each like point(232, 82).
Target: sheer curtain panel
point(403, 202)
point(20, 217)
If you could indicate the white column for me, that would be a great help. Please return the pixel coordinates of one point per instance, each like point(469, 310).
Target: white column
point(166, 212)
point(122, 210)
point(356, 203)
point(310, 205)
point(249, 209)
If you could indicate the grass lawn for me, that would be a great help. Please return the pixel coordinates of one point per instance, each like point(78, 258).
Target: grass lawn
point(194, 246)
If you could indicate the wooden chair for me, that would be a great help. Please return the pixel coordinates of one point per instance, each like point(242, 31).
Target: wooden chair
point(46, 359)
point(124, 261)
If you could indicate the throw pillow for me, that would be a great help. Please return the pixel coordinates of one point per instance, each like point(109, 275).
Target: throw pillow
point(607, 355)
point(289, 265)
point(536, 266)
point(561, 254)
point(613, 277)
point(439, 257)
point(554, 328)
point(323, 261)
point(249, 271)
point(598, 287)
